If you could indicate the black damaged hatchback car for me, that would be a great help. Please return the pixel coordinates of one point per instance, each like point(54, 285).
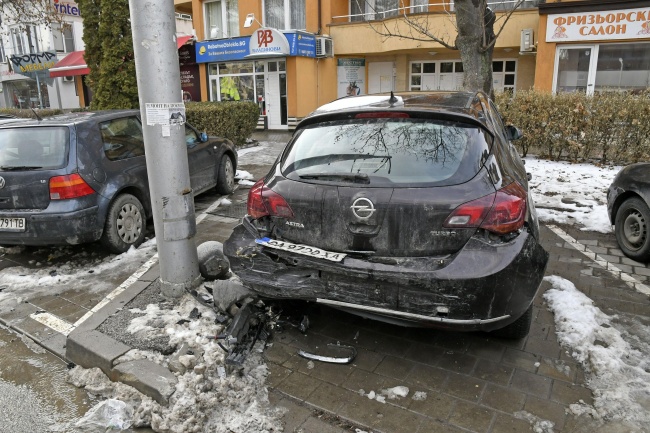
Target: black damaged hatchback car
point(411, 208)
point(82, 177)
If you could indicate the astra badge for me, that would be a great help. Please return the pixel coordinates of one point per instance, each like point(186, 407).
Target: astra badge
point(363, 208)
point(294, 224)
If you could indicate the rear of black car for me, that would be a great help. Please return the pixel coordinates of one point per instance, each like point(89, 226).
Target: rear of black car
point(43, 199)
point(402, 215)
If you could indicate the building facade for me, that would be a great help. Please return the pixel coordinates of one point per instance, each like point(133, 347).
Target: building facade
point(29, 50)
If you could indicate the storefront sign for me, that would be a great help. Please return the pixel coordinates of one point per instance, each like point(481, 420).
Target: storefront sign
point(189, 73)
point(351, 75)
point(33, 62)
point(597, 26)
point(66, 8)
point(261, 44)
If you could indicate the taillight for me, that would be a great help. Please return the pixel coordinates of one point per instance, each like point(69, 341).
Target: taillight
point(501, 212)
point(69, 186)
point(263, 201)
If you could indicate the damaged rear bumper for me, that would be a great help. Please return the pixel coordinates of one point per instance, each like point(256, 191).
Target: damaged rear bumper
point(482, 287)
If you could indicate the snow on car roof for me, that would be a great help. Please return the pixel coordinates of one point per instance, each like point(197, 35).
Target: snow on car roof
point(357, 101)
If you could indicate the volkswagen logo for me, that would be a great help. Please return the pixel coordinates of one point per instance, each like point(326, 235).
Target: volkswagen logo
point(2, 182)
point(362, 208)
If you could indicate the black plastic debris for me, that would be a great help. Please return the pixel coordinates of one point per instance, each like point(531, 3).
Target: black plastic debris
point(180, 322)
point(335, 354)
point(194, 314)
point(247, 327)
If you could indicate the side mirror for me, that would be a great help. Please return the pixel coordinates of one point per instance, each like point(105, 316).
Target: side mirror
point(203, 137)
point(513, 133)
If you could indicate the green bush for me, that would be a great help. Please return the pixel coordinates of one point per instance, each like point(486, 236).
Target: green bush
point(29, 114)
point(234, 120)
point(609, 126)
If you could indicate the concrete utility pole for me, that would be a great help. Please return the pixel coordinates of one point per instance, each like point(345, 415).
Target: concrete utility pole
point(163, 118)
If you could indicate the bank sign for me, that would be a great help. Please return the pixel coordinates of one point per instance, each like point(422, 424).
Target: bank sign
point(599, 26)
point(263, 43)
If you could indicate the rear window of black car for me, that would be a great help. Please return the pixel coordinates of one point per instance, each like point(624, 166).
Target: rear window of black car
point(34, 148)
point(387, 152)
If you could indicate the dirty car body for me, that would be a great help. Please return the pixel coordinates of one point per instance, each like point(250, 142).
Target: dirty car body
point(413, 209)
point(628, 207)
point(82, 177)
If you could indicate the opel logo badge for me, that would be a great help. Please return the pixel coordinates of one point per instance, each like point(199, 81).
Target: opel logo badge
point(363, 208)
point(2, 182)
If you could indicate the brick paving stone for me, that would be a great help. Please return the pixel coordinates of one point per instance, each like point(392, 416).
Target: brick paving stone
point(423, 353)
point(569, 393)
point(332, 373)
point(467, 387)
point(557, 369)
point(543, 347)
point(531, 383)
point(628, 269)
point(437, 406)
point(642, 271)
point(456, 341)
point(493, 372)
point(393, 367)
point(295, 416)
point(435, 426)
point(471, 416)
point(547, 410)
point(430, 378)
point(360, 379)
point(457, 362)
point(615, 259)
point(509, 424)
point(298, 385)
point(328, 397)
point(378, 416)
point(277, 374)
point(486, 348)
point(520, 359)
point(367, 359)
point(279, 352)
point(313, 424)
point(539, 330)
point(503, 399)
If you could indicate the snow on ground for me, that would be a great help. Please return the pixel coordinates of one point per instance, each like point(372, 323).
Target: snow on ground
point(569, 193)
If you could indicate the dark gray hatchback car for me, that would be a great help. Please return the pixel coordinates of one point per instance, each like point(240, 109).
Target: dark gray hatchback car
point(82, 177)
point(410, 208)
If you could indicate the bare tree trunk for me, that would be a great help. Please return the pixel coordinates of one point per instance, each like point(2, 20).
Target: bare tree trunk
point(475, 43)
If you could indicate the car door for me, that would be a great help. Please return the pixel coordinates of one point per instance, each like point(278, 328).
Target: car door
point(201, 157)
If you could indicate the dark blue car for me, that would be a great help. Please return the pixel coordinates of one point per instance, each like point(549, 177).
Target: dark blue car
point(82, 177)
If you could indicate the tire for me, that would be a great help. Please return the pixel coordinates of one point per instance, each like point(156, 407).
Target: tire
point(125, 224)
point(631, 228)
point(225, 176)
point(517, 329)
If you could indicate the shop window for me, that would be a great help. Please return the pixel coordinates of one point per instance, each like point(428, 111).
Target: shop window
point(623, 67)
point(285, 14)
point(25, 39)
point(63, 37)
point(221, 19)
point(365, 10)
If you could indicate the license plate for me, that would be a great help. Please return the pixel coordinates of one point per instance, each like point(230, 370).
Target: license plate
point(12, 224)
point(305, 250)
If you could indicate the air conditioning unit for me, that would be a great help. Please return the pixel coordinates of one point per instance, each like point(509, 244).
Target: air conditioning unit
point(68, 79)
point(527, 43)
point(324, 47)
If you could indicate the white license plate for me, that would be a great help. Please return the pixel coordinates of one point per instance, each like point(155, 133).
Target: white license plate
point(305, 250)
point(12, 224)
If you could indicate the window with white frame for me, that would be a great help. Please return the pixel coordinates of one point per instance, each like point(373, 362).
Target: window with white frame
point(63, 37)
point(504, 73)
point(442, 75)
point(418, 6)
point(365, 10)
point(285, 14)
point(25, 39)
point(221, 19)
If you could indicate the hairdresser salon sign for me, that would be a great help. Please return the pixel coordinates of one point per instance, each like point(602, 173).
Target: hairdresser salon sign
point(599, 26)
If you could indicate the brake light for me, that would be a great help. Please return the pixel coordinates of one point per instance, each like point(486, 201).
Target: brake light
point(382, 115)
point(69, 186)
point(263, 201)
point(501, 212)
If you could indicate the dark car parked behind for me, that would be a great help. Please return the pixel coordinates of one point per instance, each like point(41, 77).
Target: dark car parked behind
point(412, 208)
point(628, 201)
point(82, 177)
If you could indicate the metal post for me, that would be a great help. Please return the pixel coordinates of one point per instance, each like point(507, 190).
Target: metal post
point(163, 116)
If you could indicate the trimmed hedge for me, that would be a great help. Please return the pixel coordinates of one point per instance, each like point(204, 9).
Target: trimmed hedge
point(29, 114)
point(607, 127)
point(234, 120)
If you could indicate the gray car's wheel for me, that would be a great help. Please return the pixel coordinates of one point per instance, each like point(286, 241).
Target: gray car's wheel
point(631, 228)
point(226, 176)
point(125, 224)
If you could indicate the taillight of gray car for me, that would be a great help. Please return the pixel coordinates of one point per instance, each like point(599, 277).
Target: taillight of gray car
point(409, 214)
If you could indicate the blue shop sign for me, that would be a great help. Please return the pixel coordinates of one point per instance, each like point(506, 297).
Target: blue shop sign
point(222, 50)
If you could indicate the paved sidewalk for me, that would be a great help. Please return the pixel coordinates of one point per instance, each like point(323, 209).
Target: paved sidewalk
point(465, 382)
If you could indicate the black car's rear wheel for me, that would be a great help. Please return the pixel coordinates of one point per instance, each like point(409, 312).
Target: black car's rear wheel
point(517, 329)
point(125, 224)
point(631, 228)
point(226, 176)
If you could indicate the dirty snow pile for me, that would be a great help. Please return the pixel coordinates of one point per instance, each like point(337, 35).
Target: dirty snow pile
point(204, 400)
point(615, 360)
point(568, 193)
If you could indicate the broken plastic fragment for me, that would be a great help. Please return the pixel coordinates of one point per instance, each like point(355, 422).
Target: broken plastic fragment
point(350, 354)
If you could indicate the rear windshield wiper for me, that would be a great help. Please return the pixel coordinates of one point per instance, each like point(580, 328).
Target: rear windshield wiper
point(19, 167)
point(345, 177)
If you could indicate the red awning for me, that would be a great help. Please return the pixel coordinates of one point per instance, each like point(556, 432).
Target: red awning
point(182, 40)
point(72, 64)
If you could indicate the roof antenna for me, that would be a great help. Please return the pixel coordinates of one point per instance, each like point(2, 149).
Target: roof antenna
point(36, 114)
point(392, 99)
